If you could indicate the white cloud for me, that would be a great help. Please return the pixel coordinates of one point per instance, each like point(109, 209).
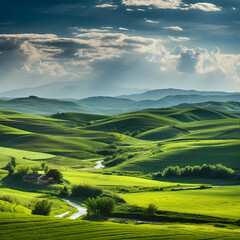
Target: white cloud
point(178, 39)
point(123, 29)
point(174, 28)
point(207, 7)
point(171, 4)
point(106, 5)
point(151, 21)
point(162, 4)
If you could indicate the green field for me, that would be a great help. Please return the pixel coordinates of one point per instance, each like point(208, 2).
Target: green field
point(218, 202)
point(146, 142)
point(19, 226)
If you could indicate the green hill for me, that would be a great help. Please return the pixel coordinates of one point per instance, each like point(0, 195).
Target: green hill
point(43, 106)
point(232, 107)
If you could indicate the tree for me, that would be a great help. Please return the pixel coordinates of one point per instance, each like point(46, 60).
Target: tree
point(150, 210)
point(46, 169)
point(13, 161)
point(43, 165)
point(11, 169)
point(103, 206)
point(56, 174)
point(42, 208)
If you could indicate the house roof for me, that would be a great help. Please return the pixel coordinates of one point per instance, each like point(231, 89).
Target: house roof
point(32, 176)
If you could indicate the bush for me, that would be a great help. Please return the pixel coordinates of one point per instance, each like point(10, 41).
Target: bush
point(150, 211)
point(42, 208)
point(11, 169)
point(115, 162)
point(205, 171)
point(85, 191)
point(65, 192)
point(103, 206)
point(56, 174)
point(22, 171)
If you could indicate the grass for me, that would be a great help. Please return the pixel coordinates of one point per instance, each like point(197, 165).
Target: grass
point(217, 202)
point(95, 179)
point(17, 226)
point(168, 137)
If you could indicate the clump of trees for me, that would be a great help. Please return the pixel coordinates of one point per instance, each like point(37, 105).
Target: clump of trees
point(100, 206)
point(150, 211)
point(11, 166)
point(42, 208)
point(56, 174)
point(205, 171)
point(86, 191)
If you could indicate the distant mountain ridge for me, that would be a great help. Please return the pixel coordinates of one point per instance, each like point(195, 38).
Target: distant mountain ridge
point(161, 93)
point(222, 101)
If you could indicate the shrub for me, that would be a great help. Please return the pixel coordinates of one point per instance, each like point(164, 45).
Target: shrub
point(150, 211)
point(22, 171)
point(11, 169)
point(85, 191)
point(42, 208)
point(205, 171)
point(43, 165)
point(56, 174)
point(103, 206)
point(13, 161)
point(115, 162)
point(65, 192)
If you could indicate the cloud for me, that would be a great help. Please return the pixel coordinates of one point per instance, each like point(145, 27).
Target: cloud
point(151, 21)
point(123, 29)
point(106, 5)
point(174, 28)
point(178, 39)
point(203, 62)
point(207, 7)
point(161, 4)
point(171, 4)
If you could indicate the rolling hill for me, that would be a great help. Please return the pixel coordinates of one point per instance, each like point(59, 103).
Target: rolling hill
point(232, 107)
point(162, 93)
point(43, 106)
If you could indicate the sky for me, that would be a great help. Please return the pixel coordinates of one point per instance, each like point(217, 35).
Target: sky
point(120, 44)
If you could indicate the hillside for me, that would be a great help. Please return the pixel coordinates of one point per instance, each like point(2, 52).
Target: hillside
point(43, 106)
point(162, 93)
point(232, 107)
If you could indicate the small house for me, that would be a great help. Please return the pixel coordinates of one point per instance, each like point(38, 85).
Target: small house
point(38, 179)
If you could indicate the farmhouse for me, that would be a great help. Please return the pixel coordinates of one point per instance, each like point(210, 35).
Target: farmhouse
point(38, 179)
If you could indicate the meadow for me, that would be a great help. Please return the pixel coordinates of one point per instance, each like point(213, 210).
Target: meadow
point(137, 145)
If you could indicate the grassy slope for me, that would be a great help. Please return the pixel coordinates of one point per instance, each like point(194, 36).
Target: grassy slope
point(217, 202)
point(18, 226)
point(35, 133)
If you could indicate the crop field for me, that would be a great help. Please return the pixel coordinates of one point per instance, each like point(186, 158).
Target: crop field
point(19, 226)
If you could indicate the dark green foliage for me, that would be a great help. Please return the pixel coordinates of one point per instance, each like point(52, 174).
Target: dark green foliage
point(115, 162)
point(42, 208)
point(64, 192)
point(103, 206)
point(150, 211)
point(56, 174)
point(11, 169)
point(13, 161)
point(85, 191)
point(205, 171)
point(46, 169)
point(22, 171)
point(43, 165)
